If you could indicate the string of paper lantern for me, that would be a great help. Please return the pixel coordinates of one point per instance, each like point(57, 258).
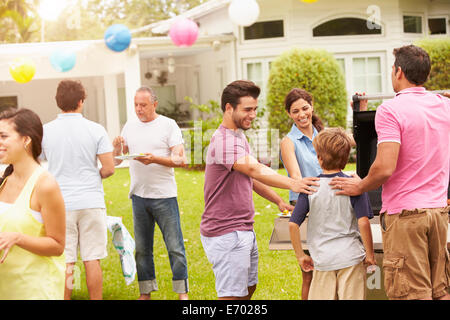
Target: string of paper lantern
point(183, 33)
point(62, 59)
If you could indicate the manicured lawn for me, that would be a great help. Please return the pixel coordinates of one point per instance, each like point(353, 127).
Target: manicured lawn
point(279, 274)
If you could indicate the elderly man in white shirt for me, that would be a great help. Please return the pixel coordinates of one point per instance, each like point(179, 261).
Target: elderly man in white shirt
point(153, 190)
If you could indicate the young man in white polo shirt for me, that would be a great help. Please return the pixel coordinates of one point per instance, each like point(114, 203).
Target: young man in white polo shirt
point(72, 145)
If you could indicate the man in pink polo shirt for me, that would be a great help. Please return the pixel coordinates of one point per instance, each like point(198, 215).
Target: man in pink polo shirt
point(412, 164)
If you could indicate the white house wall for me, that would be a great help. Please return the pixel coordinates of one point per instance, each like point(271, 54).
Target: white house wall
point(39, 96)
point(300, 18)
point(206, 65)
point(439, 8)
point(216, 23)
point(90, 59)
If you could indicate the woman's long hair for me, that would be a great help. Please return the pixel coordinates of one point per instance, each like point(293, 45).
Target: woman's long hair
point(296, 94)
point(27, 124)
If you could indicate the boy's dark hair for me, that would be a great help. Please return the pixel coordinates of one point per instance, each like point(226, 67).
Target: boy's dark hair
point(415, 63)
point(333, 148)
point(68, 94)
point(296, 94)
point(233, 92)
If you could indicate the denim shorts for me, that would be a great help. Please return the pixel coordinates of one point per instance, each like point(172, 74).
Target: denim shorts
point(234, 257)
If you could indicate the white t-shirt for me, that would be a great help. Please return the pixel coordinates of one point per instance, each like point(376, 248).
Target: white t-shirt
point(71, 144)
point(152, 181)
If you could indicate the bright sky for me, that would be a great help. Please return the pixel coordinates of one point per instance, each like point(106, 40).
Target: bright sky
point(51, 9)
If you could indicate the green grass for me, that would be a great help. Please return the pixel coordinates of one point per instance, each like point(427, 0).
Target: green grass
point(279, 274)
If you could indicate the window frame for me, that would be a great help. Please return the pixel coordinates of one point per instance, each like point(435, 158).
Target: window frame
point(13, 94)
point(265, 62)
point(414, 14)
point(366, 74)
point(283, 18)
point(346, 37)
point(446, 25)
point(348, 65)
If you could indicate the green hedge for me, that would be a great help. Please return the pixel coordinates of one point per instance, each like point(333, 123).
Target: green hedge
point(439, 52)
point(316, 71)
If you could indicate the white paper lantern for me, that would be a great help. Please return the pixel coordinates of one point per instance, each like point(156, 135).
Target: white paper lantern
point(243, 12)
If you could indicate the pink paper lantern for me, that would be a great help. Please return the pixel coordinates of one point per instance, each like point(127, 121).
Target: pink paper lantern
point(183, 32)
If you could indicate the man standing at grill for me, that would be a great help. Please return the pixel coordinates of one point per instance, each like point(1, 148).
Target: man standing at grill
point(412, 164)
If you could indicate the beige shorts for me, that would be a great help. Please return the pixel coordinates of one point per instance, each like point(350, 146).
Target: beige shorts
point(416, 261)
point(344, 284)
point(86, 229)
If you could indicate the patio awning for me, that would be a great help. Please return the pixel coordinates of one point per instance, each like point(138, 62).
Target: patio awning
point(95, 59)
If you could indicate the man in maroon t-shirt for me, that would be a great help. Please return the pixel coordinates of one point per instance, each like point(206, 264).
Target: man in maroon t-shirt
point(231, 174)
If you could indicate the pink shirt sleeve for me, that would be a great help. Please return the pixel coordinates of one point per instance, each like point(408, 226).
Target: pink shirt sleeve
point(387, 125)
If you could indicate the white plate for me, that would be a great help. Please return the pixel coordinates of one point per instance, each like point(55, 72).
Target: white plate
point(287, 215)
point(129, 156)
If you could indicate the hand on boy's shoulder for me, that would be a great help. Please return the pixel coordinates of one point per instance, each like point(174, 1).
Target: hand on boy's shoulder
point(305, 185)
point(346, 186)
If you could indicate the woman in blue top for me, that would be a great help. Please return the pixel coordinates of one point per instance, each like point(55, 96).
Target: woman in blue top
point(297, 151)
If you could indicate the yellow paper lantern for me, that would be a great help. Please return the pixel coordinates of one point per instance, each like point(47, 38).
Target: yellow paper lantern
point(308, 1)
point(22, 69)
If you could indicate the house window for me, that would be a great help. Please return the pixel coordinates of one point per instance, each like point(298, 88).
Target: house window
point(366, 73)
point(264, 30)
point(437, 26)
point(412, 24)
point(7, 102)
point(257, 71)
point(341, 63)
point(345, 27)
point(254, 72)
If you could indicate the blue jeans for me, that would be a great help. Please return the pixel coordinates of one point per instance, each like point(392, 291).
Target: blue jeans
point(166, 214)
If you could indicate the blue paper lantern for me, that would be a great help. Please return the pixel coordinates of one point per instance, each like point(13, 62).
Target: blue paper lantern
point(117, 37)
point(63, 60)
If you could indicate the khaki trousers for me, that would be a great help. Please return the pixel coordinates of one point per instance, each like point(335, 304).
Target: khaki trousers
point(344, 284)
point(416, 260)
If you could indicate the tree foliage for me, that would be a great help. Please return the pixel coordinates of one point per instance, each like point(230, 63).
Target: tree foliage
point(84, 20)
point(89, 20)
point(316, 71)
point(17, 20)
point(439, 52)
